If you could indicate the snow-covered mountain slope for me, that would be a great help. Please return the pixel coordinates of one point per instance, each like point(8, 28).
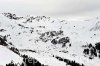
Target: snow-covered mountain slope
point(50, 41)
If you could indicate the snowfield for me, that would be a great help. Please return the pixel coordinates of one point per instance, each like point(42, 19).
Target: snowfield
point(50, 41)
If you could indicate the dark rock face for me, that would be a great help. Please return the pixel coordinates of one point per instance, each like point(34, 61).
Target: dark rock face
point(54, 41)
point(30, 19)
point(12, 16)
point(62, 41)
point(57, 40)
point(38, 18)
point(2, 41)
point(2, 30)
point(49, 35)
point(15, 50)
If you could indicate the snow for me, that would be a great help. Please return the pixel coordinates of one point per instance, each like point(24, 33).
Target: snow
point(77, 30)
point(6, 56)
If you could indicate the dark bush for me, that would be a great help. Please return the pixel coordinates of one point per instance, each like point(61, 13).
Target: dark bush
point(11, 64)
point(86, 51)
point(97, 46)
point(69, 62)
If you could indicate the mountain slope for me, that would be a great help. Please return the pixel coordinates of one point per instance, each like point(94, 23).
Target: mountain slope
point(48, 40)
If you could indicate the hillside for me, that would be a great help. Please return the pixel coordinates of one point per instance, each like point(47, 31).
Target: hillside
point(49, 41)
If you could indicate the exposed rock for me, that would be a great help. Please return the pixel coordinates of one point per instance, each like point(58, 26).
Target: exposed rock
point(11, 16)
point(63, 41)
point(49, 35)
